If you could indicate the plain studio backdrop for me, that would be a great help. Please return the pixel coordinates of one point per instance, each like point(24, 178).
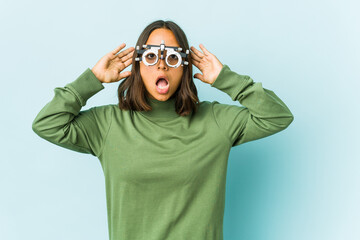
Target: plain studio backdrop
point(301, 183)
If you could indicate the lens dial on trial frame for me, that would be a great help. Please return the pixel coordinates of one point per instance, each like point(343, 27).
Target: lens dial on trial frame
point(150, 56)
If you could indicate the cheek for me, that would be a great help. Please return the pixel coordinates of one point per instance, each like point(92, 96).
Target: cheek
point(180, 75)
point(145, 75)
point(142, 71)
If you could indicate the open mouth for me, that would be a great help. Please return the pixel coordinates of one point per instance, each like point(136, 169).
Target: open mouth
point(162, 84)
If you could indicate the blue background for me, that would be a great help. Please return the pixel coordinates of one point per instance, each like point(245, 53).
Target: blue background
point(301, 183)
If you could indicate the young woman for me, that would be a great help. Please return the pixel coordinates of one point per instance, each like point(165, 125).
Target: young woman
point(163, 153)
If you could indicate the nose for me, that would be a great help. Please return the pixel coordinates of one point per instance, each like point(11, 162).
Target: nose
point(161, 62)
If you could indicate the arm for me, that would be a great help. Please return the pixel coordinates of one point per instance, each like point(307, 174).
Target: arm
point(61, 122)
point(264, 113)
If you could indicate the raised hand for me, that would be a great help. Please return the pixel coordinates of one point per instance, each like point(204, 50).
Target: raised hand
point(207, 63)
point(108, 68)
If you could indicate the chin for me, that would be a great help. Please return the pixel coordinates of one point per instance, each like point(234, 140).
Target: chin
point(161, 97)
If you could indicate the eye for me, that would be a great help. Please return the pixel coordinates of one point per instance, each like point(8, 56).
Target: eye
point(150, 55)
point(173, 56)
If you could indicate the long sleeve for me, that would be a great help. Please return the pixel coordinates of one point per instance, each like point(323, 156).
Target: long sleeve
point(61, 122)
point(263, 114)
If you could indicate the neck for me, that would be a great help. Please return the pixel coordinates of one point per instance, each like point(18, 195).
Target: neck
point(161, 109)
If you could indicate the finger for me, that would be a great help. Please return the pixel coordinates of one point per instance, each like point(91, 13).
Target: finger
point(122, 65)
point(197, 52)
point(127, 63)
point(125, 52)
point(206, 52)
point(126, 57)
point(195, 57)
point(196, 63)
point(118, 48)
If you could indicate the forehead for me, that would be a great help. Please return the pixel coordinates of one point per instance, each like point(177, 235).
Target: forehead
point(162, 34)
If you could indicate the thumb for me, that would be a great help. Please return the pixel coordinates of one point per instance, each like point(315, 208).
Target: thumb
point(199, 76)
point(124, 75)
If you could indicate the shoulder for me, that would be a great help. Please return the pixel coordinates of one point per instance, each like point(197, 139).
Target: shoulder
point(104, 108)
point(211, 105)
point(204, 106)
point(222, 110)
point(205, 109)
point(103, 112)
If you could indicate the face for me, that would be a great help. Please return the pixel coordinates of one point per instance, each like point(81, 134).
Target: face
point(149, 74)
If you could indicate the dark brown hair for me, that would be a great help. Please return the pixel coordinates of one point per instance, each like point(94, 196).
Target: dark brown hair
point(135, 98)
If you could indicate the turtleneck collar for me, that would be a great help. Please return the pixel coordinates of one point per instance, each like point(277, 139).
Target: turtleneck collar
point(161, 109)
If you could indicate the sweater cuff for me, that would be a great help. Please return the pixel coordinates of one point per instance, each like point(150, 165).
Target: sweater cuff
point(85, 86)
point(231, 82)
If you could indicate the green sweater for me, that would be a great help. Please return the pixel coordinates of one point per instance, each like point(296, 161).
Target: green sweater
point(164, 174)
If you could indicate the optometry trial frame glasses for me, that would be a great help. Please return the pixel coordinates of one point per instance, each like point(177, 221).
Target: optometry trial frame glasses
point(173, 55)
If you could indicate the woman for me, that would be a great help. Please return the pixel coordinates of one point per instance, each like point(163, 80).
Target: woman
point(164, 154)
